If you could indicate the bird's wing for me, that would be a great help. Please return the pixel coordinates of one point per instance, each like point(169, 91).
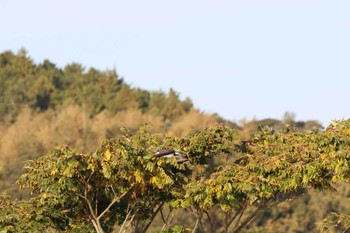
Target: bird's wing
point(164, 153)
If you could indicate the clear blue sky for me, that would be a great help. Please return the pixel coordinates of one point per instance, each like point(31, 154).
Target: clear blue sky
point(238, 58)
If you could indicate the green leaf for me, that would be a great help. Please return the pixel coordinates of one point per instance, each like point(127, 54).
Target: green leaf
point(106, 170)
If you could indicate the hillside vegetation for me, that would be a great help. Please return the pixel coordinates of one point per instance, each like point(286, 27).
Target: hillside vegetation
point(43, 107)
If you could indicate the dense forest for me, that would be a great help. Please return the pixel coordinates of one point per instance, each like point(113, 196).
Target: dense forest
point(43, 107)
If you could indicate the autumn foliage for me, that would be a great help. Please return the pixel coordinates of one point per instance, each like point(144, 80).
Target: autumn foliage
point(123, 186)
point(83, 174)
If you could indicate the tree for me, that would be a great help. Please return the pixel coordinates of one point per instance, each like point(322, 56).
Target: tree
point(107, 187)
point(121, 183)
point(173, 107)
point(272, 168)
point(124, 184)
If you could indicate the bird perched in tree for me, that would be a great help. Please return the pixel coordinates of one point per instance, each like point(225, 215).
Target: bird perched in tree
point(180, 157)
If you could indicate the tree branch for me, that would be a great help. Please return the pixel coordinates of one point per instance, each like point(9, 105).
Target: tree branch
point(210, 221)
point(227, 224)
point(198, 221)
point(116, 199)
point(89, 205)
point(129, 210)
point(96, 205)
point(250, 217)
point(240, 216)
point(152, 217)
point(161, 213)
point(166, 221)
point(195, 226)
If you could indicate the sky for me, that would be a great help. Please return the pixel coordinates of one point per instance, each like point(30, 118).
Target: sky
point(241, 59)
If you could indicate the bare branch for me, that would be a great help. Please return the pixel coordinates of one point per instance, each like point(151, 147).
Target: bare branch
point(210, 221)
point(129, 210)
point(111, 186)
point(130, 221)
point(195, 226)
point(115, 200)
point(198, 221)
point(227, 224)
point(89, 205)
point(152, 217)
point(240, 216)
point(346, 230)
point(124, 226)
point(161, 213)
point(168, 219)
point(250, 217)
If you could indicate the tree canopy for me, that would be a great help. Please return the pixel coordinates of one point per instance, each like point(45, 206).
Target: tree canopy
point(123, 184)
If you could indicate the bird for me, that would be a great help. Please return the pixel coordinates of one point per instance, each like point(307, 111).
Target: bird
point(179, 156)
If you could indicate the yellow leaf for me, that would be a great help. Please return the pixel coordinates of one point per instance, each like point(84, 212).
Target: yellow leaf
point(91, 167)
point(108, 155)
point(54, 171)
point(121, 151)
point(138, 177)
point(153, 180)
point(69, 171)
point(159, 162)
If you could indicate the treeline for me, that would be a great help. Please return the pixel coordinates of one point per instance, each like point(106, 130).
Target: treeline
point(43, 106)
point(44, 86)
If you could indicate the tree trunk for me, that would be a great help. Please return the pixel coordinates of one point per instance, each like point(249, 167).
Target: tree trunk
point(97, 226)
